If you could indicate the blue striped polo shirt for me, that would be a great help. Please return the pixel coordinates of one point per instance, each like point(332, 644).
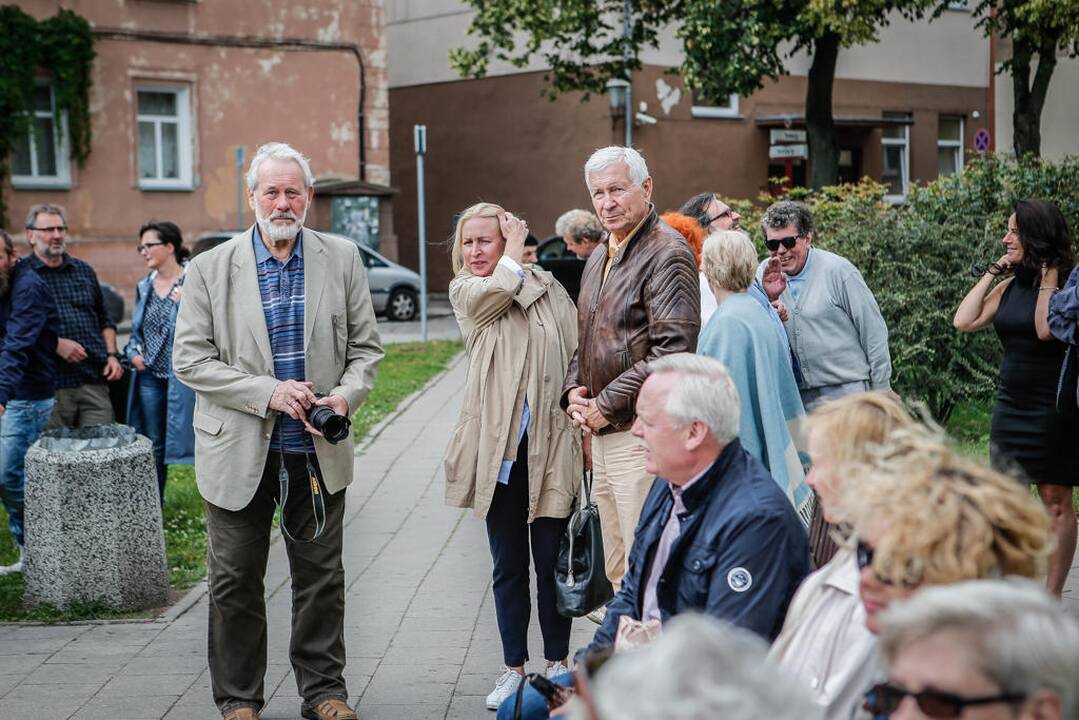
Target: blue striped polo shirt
point(282, 288)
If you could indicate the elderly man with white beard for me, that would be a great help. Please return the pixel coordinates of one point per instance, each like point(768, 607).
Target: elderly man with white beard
point(274, 322)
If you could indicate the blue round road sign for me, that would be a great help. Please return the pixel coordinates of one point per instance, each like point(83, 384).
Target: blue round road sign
point(981, 140)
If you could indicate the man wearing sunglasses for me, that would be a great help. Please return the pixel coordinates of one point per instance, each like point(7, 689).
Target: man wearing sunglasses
point(833, 321)
point(714, 215)
point(987, 649)
point(87, 342)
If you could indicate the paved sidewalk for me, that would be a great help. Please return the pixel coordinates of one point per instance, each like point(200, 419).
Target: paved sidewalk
point(420, 625)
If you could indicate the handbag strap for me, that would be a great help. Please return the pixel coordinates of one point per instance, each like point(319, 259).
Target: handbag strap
point(586, 481)
point(318, 504)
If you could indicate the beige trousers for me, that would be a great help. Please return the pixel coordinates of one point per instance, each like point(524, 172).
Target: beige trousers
point(620, 486)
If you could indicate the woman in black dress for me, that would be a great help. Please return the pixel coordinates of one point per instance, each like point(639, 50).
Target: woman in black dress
point(1028, 436)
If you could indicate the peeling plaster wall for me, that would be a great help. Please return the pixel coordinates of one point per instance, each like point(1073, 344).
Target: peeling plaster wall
point(238, 97)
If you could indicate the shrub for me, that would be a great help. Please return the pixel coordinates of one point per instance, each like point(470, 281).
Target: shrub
point(917, 258)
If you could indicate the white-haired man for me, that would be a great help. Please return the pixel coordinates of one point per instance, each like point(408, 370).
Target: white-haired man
point(991, 649)
point(700, 669)
point(649, 307)
point(274, 322)
point(716, 534)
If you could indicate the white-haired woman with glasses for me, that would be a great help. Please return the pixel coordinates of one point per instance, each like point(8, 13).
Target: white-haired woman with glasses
point(515, 457)
point(988, 649)
point(741, 335)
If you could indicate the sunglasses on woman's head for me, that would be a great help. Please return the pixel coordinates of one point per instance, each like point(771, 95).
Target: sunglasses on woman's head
point(787, 242)
point(882, 700)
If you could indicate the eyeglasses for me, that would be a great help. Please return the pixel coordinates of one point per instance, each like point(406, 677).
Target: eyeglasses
point(787, 242)
point(48, 230)
point(884, 699)
point(147, 246)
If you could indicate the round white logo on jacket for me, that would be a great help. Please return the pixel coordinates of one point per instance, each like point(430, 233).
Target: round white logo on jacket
point(739, 579)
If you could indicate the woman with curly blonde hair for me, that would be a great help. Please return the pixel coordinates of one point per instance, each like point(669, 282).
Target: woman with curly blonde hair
point(824, 639)
point(925, 516)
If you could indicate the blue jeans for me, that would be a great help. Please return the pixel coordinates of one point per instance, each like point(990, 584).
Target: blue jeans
point(20, 425)
point(154, 406)
point(533, 706)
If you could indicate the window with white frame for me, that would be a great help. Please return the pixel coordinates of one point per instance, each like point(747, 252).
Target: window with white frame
point(895, 155)
point(704, 109)
point(949, 144)
point(40, 158)
point(164, 137)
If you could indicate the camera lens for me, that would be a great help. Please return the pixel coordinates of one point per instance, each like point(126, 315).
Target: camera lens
point(333, 427)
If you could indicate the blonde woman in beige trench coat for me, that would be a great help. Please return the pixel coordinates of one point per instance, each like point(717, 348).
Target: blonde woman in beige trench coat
point(515, 457)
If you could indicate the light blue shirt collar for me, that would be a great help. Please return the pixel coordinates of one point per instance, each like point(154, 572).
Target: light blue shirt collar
point(262, 253)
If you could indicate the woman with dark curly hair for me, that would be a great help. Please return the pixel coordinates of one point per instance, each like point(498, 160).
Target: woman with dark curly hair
point(1028, 435)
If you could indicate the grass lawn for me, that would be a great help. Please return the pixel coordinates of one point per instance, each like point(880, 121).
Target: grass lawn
point(406, 369)
point(969, 428)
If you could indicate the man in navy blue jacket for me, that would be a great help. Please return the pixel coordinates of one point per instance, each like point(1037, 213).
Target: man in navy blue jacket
point(28, 331)
point(716, 534)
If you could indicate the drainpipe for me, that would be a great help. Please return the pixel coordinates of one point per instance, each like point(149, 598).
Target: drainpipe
point(248, 41)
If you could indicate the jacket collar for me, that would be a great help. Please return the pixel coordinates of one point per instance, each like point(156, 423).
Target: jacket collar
point(641, 230)
point(699, 492)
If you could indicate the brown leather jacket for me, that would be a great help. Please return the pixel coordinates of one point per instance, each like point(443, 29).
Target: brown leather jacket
point(649, 306)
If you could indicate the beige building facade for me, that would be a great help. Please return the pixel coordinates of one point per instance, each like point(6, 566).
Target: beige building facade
point(907, 110)
point(180, 88)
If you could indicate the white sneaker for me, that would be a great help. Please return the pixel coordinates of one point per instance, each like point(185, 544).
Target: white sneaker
point(16, 567)
point(598, 615)
point(506, 686)
point(559, 668)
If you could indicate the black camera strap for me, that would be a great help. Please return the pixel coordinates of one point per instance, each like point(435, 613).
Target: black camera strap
point(318, 504)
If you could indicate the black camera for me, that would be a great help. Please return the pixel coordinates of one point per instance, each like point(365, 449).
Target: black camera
point(333, 427)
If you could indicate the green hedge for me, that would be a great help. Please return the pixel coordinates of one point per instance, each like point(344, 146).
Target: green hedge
point(916, 258)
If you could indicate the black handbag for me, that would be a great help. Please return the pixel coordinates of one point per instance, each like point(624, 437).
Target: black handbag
point(581, 583)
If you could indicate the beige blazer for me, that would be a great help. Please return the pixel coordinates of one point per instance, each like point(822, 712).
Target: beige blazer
point(222, 352)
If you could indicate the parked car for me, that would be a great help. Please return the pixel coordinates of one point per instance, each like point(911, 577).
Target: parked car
point(566, 267)
point(395, 289)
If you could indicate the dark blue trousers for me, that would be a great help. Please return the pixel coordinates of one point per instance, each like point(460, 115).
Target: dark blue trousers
point(508, 533)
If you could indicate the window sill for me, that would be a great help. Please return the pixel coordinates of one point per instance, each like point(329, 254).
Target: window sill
point(177, 187)
point(32, 183)
point(896, 199)
point(707, 113)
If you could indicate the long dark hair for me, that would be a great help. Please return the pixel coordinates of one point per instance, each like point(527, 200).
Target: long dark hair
point(1046, 239)
point(169, 233)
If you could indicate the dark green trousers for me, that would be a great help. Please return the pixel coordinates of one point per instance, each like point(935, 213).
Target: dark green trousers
point(239, 543)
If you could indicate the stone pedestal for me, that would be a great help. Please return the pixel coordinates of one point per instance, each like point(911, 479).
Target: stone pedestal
point(93, 520)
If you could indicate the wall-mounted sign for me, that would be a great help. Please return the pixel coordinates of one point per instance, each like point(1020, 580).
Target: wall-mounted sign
point(776, 152)
point(786, 136)
point(981, 140)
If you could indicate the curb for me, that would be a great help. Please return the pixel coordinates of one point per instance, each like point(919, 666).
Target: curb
point(405, 404)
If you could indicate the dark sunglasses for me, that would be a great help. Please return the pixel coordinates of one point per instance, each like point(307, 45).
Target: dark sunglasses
point(882, 700)
point(725, 213)
point(788, 242)
point(147, 246)
point(863, 555)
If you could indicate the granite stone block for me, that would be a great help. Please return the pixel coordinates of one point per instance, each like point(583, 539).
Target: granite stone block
point(93, 520)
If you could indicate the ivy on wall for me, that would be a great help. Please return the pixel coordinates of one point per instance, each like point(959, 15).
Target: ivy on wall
point(60, 46)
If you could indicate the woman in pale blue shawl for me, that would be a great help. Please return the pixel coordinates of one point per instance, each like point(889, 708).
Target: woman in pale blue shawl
point(741, 335)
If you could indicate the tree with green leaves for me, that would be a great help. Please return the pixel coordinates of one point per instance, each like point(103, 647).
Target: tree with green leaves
point(729, 47)
point(61, 45)
point(1041, 31)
